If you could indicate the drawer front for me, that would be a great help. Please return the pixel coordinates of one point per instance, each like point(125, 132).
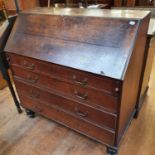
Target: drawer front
point(73, 76)
point(99, 134)
point(87, 113)
point(74, 92)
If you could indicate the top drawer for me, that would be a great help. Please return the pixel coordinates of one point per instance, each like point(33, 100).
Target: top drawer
point(73, 76)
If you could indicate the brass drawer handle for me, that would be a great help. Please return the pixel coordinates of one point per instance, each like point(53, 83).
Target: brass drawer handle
point(80, 95)
point(29, 66)
point(81, 113)
point(82, 83)
point(32, 79)
point(34, 94)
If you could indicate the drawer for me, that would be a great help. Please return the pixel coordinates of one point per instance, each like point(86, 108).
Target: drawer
point(80, 94)
point(102, 135)
point(73, 76)
point(96, 116)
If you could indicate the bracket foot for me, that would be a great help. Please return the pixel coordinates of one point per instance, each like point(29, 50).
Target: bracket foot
point(30, 113)
point(111, 151)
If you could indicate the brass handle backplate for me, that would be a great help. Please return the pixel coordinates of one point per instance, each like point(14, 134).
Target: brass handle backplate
point(81, 83)
point(81, 113)
point(29, 66)
point(32, 79)
point(80, 95)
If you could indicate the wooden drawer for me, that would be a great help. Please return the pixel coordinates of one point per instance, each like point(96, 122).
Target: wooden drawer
point(77, 124)
point(81, 94)
point(96, 116)
point(80, 78)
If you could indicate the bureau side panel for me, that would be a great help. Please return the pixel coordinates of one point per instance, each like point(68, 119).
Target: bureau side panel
point(147, 70)
point(132, 79)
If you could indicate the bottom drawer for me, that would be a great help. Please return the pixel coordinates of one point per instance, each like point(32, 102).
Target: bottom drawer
point(102, 135)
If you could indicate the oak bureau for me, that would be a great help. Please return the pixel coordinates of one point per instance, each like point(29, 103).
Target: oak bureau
point(5, 30)
point(80, 68)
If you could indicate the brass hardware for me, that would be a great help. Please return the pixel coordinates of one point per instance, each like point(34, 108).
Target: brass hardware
point(34, 94)
point(32, 80)
point(81, 113)
point(82, 83)
point(80, 96)
point(116, 89)
point(29, 66)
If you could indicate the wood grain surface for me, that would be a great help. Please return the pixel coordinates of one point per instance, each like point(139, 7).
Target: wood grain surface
point(22, 135)
point(79, 43)
point(77, 37)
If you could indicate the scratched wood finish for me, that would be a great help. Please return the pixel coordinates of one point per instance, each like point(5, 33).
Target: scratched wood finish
point(89, 46)
point(78, 39)
point(148, 68)
point(18, 133)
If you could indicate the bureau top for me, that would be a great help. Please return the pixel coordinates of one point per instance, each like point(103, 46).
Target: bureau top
point(101, 46)
point(125, 14)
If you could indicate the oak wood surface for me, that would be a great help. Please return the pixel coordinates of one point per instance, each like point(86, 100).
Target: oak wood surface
point(62, 117)
point(83, 97)
point(149, 56)
point(22, 135)
point(23, 4)
point(130, 3)
point(148, 65)
point(80, 110)
point(77, 38)
point(67, 90)
point(87, 80)
point(80, 42)
point(132, 78)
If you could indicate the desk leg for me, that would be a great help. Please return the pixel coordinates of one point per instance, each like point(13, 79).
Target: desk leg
point(111, 151)
point(4, 70)
point(13, 95)
point(30, 113)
